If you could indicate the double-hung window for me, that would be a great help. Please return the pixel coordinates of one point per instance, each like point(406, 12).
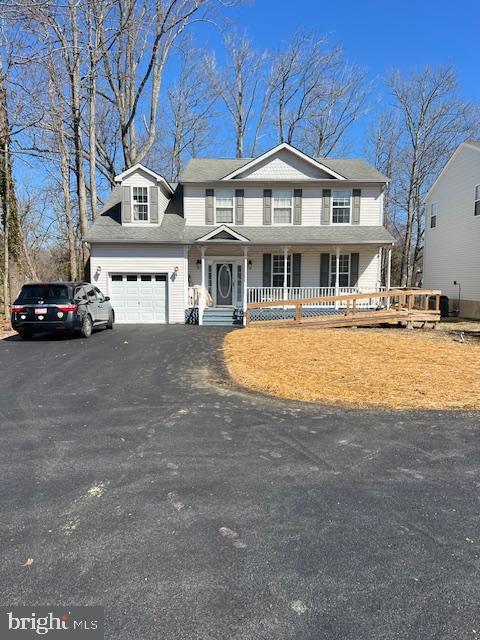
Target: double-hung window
point(223, 206)
point(140, 204)
point(282, 207)
point(278, 268)
point(343, 270)
point(477, 201)
point(433, 215)
point(341, 207)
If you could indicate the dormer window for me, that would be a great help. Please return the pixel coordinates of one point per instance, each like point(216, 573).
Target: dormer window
point(223, 206)
point(140, 204)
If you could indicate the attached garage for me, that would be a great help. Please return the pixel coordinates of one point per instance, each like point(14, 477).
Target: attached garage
point(146, 283)
point(139, 297)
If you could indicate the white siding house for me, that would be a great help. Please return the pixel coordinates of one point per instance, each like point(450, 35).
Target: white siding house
point(233, 231)
point(452, 231)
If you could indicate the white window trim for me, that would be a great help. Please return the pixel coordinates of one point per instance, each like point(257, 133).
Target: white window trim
point(282, 272)
point(282, 224)
point(232, 191)
point(343, 224)
point(433, 212)
point(475, 199)
point(332, 272)
point(140, 222)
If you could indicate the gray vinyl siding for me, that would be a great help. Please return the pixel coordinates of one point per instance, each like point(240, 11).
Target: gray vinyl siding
point(136, 258)
point(452, 248)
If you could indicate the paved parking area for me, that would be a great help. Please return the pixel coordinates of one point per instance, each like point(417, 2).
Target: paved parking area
point(137, 478)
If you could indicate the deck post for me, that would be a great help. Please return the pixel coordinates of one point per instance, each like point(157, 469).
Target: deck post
point(202, 289)
point(285, 272)
point(244, 296)
point(337, 275)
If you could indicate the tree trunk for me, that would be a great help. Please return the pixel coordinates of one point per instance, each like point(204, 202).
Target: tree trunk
point(77, 130)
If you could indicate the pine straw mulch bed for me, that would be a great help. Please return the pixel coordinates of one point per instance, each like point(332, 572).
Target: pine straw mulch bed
point(369, 368)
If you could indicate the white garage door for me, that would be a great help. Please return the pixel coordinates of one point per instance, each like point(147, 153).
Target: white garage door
point(139, 297)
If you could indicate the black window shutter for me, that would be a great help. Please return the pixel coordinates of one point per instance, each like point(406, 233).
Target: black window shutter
point(296, 269)
point(267, 269)
point(354, 260)
point(324, 269)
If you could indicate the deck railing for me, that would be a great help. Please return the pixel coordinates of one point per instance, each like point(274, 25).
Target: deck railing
point(279, 294)
point(371, 307)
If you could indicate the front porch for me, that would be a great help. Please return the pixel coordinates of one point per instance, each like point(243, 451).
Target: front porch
point(223, 279)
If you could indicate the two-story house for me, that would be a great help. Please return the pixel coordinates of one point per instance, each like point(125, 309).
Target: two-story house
point(452, 231)
point(279, 226)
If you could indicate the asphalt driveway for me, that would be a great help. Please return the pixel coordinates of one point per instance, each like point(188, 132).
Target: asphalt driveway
point(136, 478)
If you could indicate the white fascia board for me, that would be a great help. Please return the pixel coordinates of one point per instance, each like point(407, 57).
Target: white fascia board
point(140, 167)
point(211, 235)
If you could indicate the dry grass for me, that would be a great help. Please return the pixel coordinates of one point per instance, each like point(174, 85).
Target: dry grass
point(363, 368)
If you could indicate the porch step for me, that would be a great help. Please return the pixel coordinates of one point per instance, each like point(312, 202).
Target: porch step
point(222, 317)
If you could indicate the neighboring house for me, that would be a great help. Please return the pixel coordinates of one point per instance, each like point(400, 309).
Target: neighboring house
point(232, 231)
point(452, 231)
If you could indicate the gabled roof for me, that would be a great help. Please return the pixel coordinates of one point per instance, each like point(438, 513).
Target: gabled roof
point(222, 233)
point(215, 169)
point(280, 147)
point(470, 144)
point(141, 167)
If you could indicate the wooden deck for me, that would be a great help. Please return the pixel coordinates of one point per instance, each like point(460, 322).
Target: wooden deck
point(396, 306)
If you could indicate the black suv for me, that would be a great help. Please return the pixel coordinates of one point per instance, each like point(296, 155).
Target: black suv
point(61, 306)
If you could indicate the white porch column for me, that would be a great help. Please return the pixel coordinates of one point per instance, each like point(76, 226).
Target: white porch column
point(337, 274)
point(202, 289)
point(245, 272)
point(388, 275)
point(285, 273)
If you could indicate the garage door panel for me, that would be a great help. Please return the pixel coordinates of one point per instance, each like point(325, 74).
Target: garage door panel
point(140, 300)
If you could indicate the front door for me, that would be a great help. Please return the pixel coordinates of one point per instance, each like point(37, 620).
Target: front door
point(224, 283)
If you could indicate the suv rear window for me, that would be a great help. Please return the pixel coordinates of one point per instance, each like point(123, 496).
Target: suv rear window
point(45, 292)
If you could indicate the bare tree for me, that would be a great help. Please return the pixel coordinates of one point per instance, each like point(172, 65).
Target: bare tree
point(315, 95)
point(237, 84)
point(187, 121)
point(134, 63)
point(432, 120)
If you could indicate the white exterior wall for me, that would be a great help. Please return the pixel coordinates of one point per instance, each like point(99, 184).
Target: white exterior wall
point(368, 270)
point(452, 248)
point(142, 179)
point(371, 205)
point(137, 258)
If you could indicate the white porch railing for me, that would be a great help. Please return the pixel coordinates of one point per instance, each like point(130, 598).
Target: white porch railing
point(274, 294)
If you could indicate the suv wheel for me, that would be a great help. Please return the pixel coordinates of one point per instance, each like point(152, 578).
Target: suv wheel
point(25, 335)
point(111, 320)
point(86, 330)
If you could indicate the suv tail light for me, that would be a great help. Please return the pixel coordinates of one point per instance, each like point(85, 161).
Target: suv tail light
point(16, 308)
point(67, 307)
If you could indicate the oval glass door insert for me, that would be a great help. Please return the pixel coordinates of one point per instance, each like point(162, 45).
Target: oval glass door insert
point(224, 281)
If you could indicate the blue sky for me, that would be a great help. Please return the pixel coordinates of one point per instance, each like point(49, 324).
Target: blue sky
point(376, 35)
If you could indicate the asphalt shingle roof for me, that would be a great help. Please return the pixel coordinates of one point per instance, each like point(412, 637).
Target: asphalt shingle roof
point(107, 229)
point(211, 169)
